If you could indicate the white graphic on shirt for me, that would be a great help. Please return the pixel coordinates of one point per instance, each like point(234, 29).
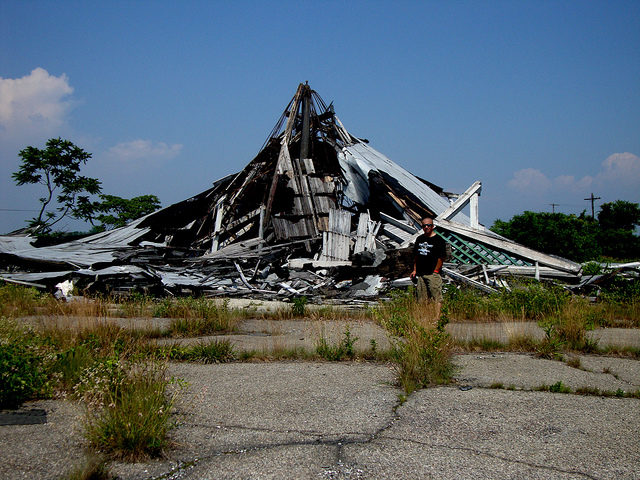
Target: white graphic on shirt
point(424, 248)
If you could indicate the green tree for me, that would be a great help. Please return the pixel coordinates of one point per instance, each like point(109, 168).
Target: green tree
point(57, 167)
point(114, 212)
point(618, 222)
point(568, 236)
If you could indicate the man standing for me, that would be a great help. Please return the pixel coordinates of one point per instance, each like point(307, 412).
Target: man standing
point(429, 253)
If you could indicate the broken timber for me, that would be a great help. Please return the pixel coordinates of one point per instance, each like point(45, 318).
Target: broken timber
point(317, 211)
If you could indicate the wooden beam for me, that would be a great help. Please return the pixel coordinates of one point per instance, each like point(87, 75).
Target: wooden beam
point(282, 159)
point(243, 219)
point(242, 277)
point(458, 276)
point(219, 213)
point(473, 191)
point(293, 112)
point(389, 219)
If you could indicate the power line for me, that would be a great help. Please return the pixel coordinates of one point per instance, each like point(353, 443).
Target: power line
point(16, 210)
point(593, 199)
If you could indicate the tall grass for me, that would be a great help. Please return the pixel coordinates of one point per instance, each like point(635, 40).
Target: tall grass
point(128, 409)
point(618, 305)
point(209, 315)
point(527, 300)
point(128, 405)
point(214, 351)
point(198, 316)
point(341, 350)
point(16, 300)
point(422, 349)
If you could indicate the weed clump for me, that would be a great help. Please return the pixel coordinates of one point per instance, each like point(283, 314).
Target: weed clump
point(557, 387)
point(299, 306)
point(422, 348)
point(127, 401)
point(215, 351)
point(22, 374)
point(340, 351)
point(93, 467)
point(197, 316)
point(128, 409)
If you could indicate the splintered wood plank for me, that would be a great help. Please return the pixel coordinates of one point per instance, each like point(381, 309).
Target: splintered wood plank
point(336, 239)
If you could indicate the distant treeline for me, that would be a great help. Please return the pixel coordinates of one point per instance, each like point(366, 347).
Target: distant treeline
point(611, 235)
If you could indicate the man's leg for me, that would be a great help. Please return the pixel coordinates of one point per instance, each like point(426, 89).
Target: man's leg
point(422, 289)
point(434, 286)
point(434, 289)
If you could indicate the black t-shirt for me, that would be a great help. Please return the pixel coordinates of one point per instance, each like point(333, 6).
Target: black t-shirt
point(427, 250)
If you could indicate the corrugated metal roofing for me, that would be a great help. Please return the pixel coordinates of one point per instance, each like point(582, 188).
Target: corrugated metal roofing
point(359, 159)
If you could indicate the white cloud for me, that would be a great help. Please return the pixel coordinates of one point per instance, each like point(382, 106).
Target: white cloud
point(620, 168)
point(618, 178)
point(35, 103)
point(569, 183)
point(530, 179)
point(143, 151)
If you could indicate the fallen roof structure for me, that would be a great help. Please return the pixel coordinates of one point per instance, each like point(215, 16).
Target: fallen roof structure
point(315, 212)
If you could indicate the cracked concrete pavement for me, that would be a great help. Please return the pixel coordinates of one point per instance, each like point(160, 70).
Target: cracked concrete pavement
point(345, 421)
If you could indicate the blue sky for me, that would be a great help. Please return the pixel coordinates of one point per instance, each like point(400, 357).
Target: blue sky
point(538, 100)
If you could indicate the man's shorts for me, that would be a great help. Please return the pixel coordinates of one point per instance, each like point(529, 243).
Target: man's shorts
point(430, 287)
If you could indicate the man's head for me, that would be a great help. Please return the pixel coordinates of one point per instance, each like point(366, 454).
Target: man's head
point(427, 225)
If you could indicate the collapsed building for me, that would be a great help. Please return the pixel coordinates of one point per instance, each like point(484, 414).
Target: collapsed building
point(318, 211)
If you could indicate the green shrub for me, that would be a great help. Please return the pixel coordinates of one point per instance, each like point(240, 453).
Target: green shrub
point(22, 374)
point(533, 300)
point(591, 268)
point(70, 364)
point(622, 290)
point(557, 387)
point(299, 306)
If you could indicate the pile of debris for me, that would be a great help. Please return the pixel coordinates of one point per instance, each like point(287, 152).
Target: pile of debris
point(317, 212)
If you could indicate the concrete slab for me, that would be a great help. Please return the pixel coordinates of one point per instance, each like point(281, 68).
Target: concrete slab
point(267, 335)
point(272, 335)
point(42, 450)
point(445, 433)
point(526, 372)
point(344, 421)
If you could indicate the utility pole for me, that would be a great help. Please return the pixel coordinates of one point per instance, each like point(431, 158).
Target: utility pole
point(593, 199)
point(553, 207)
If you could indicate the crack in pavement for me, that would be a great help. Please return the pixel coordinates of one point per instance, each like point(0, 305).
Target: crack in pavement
point(342, 467)
point(345, 438)
point(337, 460)
point(492, 455)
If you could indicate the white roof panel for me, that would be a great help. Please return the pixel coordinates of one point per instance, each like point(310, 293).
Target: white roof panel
point(359, 159)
